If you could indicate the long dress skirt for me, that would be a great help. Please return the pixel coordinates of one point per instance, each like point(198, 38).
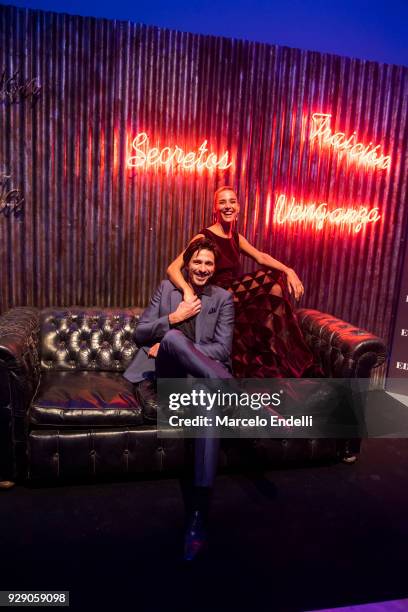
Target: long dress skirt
point(268, 342)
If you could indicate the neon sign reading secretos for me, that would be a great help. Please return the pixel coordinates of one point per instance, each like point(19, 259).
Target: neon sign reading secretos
point(170, 157)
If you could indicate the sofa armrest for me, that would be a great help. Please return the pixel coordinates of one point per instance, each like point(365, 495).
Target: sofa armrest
point(19, 346)
point(341, 349)
point(19, 377)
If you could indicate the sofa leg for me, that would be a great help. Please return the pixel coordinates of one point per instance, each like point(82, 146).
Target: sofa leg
point(6, 484)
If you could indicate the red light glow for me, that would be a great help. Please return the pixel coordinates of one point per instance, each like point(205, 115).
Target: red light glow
point(368, 155)
point(175, 157)
point(318, 215)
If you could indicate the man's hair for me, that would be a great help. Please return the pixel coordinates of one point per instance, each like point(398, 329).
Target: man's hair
point(199, 245)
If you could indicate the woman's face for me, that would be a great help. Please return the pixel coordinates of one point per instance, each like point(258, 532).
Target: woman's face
point(226, 206)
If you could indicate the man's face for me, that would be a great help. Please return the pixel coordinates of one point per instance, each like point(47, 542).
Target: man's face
point(201, 267)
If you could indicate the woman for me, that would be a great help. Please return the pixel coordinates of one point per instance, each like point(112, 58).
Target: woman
point(267, 338)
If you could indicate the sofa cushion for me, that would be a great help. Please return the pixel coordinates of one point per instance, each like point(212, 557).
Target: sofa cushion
point(85, 398)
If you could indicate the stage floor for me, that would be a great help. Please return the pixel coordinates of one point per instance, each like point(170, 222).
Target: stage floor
point(289, 539)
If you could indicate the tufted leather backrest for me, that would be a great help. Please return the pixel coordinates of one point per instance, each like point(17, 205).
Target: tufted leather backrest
point(79, 338)
point(341, 349)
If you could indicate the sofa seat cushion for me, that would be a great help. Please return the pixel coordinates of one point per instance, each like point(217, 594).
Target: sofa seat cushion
point(85, 398)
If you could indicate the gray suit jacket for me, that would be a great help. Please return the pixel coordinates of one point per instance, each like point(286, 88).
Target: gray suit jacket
point(213, 329)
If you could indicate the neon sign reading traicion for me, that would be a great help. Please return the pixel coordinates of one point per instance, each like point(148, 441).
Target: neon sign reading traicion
point(358, 152)
point(290, 211)
point(175, 157)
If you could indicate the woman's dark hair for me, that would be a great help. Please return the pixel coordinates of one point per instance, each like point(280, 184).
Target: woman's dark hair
point(199, 245)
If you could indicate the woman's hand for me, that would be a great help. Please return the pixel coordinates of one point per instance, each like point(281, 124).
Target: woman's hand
point(294, 284)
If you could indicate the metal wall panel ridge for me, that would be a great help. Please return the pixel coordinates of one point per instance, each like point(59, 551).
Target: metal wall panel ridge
point(74, 93)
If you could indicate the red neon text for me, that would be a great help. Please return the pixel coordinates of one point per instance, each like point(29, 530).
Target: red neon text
point(318, 215)
point(356, 151)
point(170, 157)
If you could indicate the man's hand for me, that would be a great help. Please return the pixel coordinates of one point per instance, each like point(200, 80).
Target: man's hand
point(184, 311)
point(294, 284)
point(153, 350)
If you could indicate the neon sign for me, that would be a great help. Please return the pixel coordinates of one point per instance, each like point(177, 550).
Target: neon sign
point(319, 215)
point(11, 200)
point(175, 157)
point(15, 88)
point(358, 152)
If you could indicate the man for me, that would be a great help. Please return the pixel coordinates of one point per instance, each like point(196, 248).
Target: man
point(178, 338)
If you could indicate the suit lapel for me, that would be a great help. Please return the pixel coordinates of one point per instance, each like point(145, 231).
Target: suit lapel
point(175, 299)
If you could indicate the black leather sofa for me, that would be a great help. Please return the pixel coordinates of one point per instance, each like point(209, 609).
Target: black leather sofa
point(66, 412)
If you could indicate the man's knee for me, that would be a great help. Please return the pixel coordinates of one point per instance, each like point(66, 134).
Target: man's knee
point(174, 338)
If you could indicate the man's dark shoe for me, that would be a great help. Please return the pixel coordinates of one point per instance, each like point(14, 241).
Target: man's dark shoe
point(146, 392)
point(195, 540)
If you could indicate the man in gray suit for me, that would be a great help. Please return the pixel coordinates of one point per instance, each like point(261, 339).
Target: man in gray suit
point(178, 338)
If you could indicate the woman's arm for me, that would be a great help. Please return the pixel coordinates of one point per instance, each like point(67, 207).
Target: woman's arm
point(175, 275)
point(263, 259)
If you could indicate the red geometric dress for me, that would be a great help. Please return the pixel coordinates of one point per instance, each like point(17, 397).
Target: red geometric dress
point(268, 342)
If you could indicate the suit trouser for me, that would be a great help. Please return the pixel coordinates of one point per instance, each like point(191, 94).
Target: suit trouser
point(178, 357)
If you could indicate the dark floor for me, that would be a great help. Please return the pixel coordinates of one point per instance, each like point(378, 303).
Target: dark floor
point(294, 539)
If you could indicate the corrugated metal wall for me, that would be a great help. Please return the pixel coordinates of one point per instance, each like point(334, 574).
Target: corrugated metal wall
point(98, 233)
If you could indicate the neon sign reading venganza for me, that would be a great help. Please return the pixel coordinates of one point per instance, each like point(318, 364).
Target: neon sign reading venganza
point(358, 152)
point(289, 211)
point(175, 157)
